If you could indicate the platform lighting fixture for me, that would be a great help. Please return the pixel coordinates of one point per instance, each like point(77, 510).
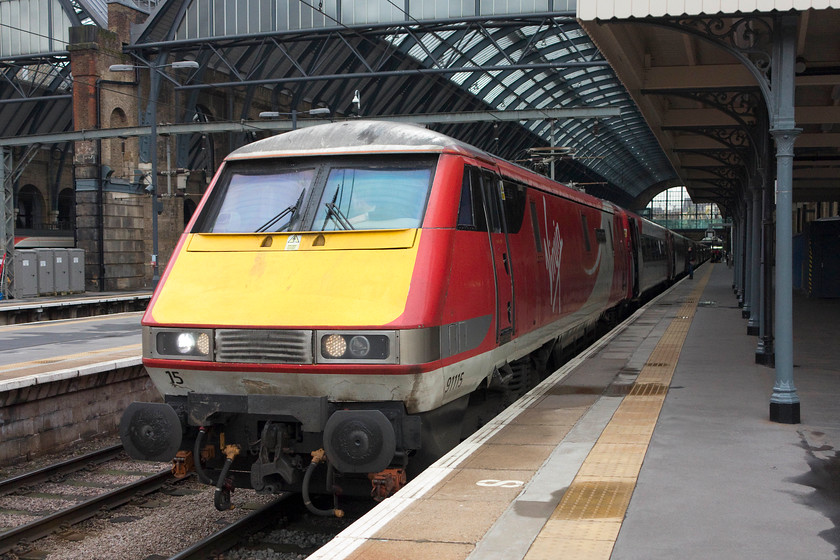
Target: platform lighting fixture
point(178, 64)
point(294, 114)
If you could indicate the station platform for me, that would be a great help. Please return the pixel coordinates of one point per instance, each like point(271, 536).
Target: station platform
point(655, 443)
point(88, 304)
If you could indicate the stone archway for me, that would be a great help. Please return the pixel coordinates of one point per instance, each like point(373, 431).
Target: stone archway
point(31, 209)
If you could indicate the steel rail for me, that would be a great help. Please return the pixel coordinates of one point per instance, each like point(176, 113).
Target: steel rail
point(84, 510)
point(227, 538)
point(66, 467)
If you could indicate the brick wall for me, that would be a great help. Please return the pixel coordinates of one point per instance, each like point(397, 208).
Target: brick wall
point(50, 417)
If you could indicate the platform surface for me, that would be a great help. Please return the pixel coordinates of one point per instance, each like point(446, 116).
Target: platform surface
point(44, 351)
point(654, 444)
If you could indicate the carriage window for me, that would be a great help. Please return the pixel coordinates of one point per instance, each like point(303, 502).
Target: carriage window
point(601, 235)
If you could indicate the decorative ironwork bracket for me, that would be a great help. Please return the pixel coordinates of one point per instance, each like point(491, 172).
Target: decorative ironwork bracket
point(749, 38)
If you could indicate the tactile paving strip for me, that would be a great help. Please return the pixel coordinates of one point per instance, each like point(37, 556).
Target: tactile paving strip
point(586, 523)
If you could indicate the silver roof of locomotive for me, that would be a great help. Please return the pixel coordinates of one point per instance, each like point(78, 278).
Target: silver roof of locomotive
point(354, 136)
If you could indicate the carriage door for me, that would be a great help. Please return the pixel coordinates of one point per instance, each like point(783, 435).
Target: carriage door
point(491, 187)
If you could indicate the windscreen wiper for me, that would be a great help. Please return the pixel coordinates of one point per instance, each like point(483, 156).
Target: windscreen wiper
point(337, 216)
point(288, 210)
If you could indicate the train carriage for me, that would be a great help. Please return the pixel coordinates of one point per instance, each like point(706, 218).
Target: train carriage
point(363, 288)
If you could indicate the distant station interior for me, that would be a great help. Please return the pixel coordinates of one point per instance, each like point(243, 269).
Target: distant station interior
point(721, 125)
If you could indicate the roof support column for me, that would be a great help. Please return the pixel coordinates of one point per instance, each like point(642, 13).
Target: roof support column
point(764, 353)
point(749, 235)
point(740, 269)
point(784, 402)
point(733, 249)
point(755, 260)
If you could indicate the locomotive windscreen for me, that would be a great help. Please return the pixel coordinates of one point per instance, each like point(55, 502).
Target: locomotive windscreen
point(319, 194)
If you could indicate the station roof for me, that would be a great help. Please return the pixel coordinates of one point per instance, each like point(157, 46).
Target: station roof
point(404, 59)
point(432, 58)
point(685, 71)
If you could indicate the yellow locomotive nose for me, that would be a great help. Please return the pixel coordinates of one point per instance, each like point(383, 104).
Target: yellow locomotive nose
point(334, 279)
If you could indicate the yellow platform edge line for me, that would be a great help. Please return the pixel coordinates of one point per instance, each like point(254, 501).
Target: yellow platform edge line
point(588, 518)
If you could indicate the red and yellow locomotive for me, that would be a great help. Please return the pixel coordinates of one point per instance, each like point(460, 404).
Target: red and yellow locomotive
point(360, 287)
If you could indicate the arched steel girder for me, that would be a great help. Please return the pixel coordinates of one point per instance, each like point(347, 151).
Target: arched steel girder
point(500, 56)
point(376, 64)
point(35, 104)
point(562, 94)
point(503, 77)
point(616, 133)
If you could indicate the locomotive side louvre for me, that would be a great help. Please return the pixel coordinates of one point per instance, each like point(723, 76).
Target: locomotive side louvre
point(355, 286)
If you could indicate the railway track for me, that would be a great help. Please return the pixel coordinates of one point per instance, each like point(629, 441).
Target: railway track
point(47, 524)
point(148, 516)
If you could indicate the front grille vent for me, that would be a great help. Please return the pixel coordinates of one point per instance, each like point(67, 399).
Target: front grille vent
point(264, 346)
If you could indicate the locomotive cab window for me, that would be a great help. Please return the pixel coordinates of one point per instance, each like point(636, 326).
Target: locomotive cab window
point(373, 197)
point(253, 202)
point(319, 194)
point(471, 215)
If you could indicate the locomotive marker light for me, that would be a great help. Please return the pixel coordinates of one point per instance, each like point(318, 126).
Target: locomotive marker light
point(153, 152)
point(357, 347)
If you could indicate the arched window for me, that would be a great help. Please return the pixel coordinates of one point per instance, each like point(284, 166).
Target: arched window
point(115, 148)
point(674, 209)
point(31, 208)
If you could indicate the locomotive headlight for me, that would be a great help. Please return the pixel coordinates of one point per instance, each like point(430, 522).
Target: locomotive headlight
point(361, 347)
point(334, 346)
point(182, 344)
point(193, 343)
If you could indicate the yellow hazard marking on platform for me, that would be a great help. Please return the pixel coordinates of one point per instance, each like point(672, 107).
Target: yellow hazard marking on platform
point(57, 359)
point(586, 523)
